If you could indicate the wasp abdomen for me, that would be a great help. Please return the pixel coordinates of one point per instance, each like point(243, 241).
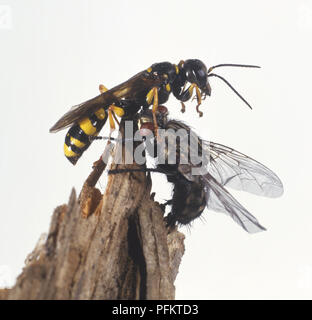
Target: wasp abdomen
point(78, 140)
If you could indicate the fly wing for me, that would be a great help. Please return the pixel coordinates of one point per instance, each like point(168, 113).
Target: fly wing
point(222, 166)
point(236, 170)
point(131, 89)
point(220, 200)
point(229, 167)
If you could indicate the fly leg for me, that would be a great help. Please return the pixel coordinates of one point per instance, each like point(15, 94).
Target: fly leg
point(118, 171)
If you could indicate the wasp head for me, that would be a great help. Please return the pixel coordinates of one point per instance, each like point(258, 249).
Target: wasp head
point(196, 72)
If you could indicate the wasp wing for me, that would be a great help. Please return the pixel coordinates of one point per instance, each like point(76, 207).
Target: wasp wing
point(133, 89)
point(236, 170)
point(220, 200)
point(82, 110)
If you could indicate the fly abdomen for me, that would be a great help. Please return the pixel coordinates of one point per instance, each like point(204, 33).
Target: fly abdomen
point(188, 201)
point(78, 140)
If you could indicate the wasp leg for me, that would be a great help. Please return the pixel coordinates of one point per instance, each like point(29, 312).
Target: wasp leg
point(153, 96)
point(181, 63)
point(187, 94)
point(102, 88)
point(182, 103)
point(112, 111)
point(112, 108)
point(111, 118)
point(199, 100)
point(182, 107)
point(115, 118)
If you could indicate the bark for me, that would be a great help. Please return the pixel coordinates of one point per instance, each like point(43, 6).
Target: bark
point(110, 246)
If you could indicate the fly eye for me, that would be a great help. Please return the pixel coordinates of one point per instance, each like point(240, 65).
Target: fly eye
point(162, 110)
point(146, 129)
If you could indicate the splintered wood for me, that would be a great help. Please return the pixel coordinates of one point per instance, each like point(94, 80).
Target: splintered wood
point(110, 246)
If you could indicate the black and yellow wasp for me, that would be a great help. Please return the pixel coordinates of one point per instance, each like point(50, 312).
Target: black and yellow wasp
point(224, 167)
point(149, 87)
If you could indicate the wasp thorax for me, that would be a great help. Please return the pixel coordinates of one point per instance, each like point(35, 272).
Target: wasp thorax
point(166, 69)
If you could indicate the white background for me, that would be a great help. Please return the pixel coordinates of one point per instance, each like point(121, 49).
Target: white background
point(54, 54)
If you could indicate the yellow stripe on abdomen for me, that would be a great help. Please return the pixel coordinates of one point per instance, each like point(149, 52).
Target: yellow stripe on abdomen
point(100, 114)
point(87, 127)
point(69, 152)
point(76, 142)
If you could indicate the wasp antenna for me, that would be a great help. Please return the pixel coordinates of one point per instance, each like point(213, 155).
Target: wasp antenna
point(216, 75)
point(232, 65)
